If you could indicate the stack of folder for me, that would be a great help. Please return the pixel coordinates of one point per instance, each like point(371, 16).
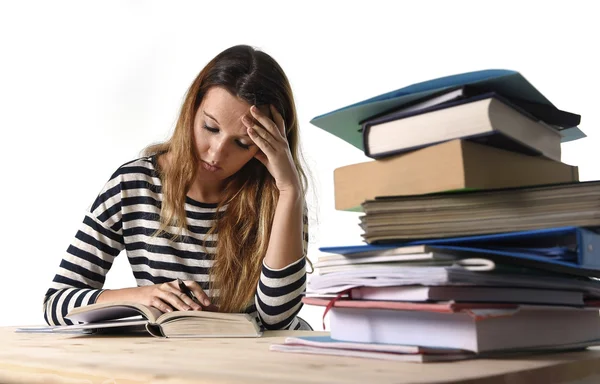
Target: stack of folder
point(479, 241)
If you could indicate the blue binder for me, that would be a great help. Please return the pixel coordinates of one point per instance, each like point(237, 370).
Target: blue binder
point(345, 122)
point(571, 250)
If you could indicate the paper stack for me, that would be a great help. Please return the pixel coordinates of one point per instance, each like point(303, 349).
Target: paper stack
point(480, 242)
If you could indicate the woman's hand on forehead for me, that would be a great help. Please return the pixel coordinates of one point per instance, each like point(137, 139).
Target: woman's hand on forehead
point(269, 136)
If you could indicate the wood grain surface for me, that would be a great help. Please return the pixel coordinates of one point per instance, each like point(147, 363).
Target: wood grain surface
point(56, 358)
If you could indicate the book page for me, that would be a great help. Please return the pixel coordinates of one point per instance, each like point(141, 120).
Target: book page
point(237, 317)
point(111, 311)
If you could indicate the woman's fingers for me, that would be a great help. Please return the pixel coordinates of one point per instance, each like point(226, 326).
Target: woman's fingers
point(157, 303)
point(198, 292)
point(278, 119)
point(269, 135)
point(260, 136)
point(270, 126)
point(177, 299)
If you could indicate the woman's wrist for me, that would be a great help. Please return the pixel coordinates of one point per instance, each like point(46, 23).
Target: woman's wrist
point(112, 295)
point(293, 195)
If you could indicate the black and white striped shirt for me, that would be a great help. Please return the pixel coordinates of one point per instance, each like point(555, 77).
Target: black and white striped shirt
point(125, 215)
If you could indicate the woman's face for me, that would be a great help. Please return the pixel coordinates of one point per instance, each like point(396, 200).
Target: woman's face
point(221, 140)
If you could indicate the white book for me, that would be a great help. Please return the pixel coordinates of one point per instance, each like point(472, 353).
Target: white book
point(475, 330)
point(489, 120)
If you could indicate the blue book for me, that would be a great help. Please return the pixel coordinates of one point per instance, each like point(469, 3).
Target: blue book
point(571, 250)
point(345, 122)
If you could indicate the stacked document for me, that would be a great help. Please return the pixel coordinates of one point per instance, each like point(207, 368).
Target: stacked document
point(474, 327)
point(395, 218)
point(425, 303)
point(325, 345)
point(472, 249)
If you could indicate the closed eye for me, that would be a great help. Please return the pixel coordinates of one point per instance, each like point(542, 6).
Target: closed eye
point(216, 130)
point(211, 129)
point(242, 145)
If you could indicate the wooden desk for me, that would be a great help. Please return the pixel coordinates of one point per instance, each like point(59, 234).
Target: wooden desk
point(54, 358)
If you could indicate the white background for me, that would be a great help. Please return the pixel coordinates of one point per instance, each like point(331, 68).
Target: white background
point(86, 85)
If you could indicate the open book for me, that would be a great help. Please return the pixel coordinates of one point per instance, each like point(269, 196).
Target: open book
point(104, 316)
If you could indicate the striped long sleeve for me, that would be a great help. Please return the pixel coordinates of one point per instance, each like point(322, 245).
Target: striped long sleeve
point(279, 292)
point(125, 216)
point(88, 259)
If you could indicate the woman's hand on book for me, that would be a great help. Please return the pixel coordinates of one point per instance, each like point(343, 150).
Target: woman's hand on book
point(165, 297)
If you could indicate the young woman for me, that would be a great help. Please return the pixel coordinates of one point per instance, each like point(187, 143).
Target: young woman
point(220, 205)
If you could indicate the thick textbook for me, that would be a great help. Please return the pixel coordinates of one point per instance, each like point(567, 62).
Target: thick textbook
point(345, 122)
point(487, 119)
point(473, 327)
point(104, 316)
point(453, 165)
point(441, 215)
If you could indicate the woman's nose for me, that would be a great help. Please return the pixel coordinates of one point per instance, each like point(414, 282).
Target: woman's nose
point(218, 150)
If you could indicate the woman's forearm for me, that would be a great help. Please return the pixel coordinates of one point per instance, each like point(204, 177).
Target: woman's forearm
point(285, 244)
point(112, 295)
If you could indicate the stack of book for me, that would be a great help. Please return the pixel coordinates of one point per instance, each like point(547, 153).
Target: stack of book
point(480, 241)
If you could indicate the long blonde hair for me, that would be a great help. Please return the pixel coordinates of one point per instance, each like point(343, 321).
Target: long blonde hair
point(250, 196)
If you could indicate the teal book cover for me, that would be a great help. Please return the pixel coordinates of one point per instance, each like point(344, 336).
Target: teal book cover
point(346, 122)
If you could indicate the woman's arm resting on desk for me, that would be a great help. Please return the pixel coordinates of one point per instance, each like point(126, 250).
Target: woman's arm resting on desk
point(83, 269)
point(278, 295)
point(283, 277)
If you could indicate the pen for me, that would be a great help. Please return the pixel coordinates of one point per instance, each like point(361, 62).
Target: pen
point(188, 292)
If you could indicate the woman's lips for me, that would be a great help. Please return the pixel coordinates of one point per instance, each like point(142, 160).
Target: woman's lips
point(210, 168)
